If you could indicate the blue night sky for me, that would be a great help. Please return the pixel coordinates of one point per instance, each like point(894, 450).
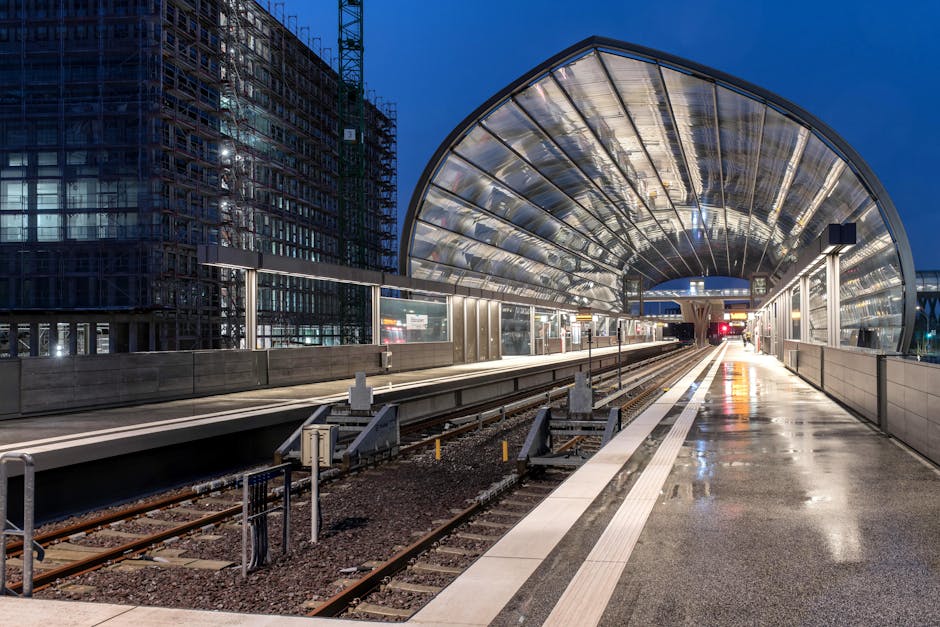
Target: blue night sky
point(868, 69)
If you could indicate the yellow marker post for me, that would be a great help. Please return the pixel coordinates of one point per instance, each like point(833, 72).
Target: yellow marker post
point(437, 449)
point(505, 451)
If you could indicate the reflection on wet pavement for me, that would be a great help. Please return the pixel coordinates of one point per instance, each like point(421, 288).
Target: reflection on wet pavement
point(783, 508)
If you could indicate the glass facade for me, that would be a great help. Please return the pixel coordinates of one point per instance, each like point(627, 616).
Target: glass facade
point(612, 161)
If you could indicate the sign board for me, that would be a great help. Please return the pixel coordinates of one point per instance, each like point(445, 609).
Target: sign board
point(327, 442)
point(584, 315)
point(739, 315)
point(416, 322)
point(349, 134)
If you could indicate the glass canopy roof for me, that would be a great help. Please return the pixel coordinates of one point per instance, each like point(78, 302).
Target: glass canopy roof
point(612, 162)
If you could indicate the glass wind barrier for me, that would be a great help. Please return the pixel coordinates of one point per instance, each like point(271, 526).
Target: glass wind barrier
point(818, 322)
point(419, 319)
point(795, 314)
point(515, 331)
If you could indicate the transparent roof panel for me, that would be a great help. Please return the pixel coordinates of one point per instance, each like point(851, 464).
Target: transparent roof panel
point(612, 161)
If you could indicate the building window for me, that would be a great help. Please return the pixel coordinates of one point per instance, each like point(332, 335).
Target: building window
point(49, 227)
point(13, 196)
point(47, 194)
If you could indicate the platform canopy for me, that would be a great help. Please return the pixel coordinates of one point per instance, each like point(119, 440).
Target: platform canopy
point(612, 163)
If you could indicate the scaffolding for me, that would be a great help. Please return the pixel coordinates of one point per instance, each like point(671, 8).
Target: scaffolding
point(183, 122)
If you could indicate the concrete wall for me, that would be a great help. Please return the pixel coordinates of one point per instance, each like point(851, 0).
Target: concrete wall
point(55, 384)
point(9, 388)
point(49, 384)
point(293, 366)
point(912, 412)
point(852, 378)
point(60, 384)
point(808, 360)
point(218, 372)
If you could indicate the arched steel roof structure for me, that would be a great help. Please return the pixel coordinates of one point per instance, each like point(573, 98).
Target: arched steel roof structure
point(611, 160)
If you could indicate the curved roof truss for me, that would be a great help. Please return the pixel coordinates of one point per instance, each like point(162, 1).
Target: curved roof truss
point(613, 161)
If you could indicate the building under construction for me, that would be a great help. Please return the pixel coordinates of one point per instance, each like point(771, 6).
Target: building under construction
point(135, 130)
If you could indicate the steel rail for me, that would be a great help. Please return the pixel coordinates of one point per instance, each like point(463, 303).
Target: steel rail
point(124, 551)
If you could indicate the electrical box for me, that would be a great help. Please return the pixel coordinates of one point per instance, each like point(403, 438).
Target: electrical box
point(387, 360)
point(328, 435)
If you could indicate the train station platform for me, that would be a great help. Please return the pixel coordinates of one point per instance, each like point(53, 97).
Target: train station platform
point(37, 433)
point(742, 496)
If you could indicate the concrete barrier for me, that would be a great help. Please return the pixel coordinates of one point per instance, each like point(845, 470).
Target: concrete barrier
point(218, 372)
point(912, 410)
point(893, 393)
point(54, 384)
point(38, 385)
point(9, 388)
point(808, 360)
point(294, 366)
point(851, 377)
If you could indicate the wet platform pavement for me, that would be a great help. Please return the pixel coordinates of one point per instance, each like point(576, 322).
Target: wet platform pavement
point(774, 507)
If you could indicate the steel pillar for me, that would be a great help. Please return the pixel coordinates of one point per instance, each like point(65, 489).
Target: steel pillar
point(833, 318)
point(251, 309)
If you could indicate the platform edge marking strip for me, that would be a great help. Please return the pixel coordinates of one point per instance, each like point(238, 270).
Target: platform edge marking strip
point(585, 599)
point(490, 601)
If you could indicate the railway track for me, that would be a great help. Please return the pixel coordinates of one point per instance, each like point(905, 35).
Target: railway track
point(399, 587)
point(114, 524)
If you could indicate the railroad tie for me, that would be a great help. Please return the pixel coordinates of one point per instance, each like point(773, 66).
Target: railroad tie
point(490, 525)
point(381, 610)
point(509, 513)
point(476, 536)
point(156, 522)
point(406, 586)
point(113, 533)
point(427, 567)
point(456, 550)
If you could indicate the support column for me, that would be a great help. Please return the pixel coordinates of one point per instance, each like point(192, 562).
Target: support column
point(91, 340)
point(804, 308)
point(251, 309)
point(833, 318)
point(376, 313)
point(700, 314)
point(54, 339)
point(531, 331)
point(450, 318)
point(34, 339)
point(14, 339)
point(73, 338)
point(113, 331)
point(132, 336)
